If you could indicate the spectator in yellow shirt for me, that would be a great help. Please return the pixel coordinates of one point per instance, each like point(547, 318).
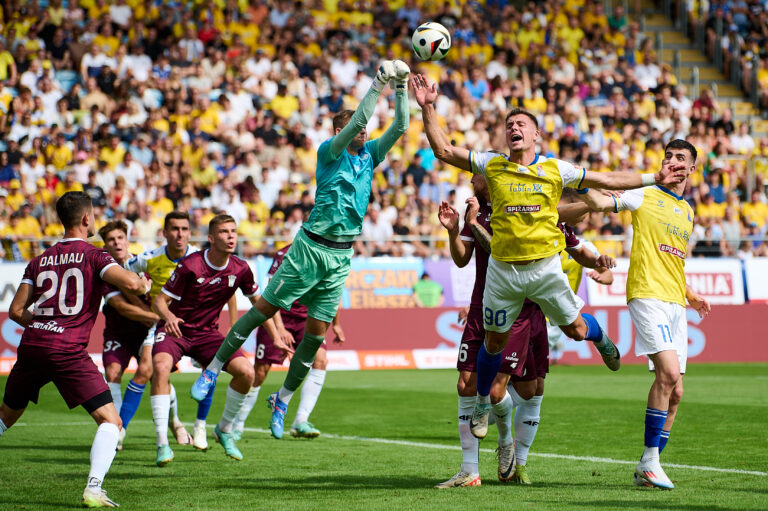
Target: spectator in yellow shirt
point(708, 208)
point(69, 184)
point(755, 211)
point(252, 232)
point(113, 154)
point(15, 198)
point(58, 153)
point(283, 104)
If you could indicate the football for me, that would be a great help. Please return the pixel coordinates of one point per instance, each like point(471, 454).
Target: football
point(431, 41)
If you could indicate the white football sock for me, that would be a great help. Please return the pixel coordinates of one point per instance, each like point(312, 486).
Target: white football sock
point(310, 391)
point(527, 418)
point(161, 404)
point(3, 427)
point(245, 408)
point(174, 407)
point(117, 396)
point(199, 423)
point(469, 443)
point(102, 452)
point(503, 412)
point(285, 395)
point(215, 366)
point(232, 405)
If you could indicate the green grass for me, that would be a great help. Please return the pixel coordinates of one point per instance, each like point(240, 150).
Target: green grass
point(587, 412)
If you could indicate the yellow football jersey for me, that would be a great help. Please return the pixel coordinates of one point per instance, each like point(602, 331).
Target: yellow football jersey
point(157, 265)
point(524, 204)
point(662, 223)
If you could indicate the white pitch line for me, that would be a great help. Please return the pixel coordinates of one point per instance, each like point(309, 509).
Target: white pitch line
point(425, 445)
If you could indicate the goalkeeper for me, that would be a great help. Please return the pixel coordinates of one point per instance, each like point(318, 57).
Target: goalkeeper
point(317, 264)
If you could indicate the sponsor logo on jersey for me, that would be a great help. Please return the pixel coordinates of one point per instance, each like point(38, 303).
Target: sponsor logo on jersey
point(199, 280)
point(214, 281)
point(522, 209)
point(660, 203)
point(231, 279)
point(678, 211)
point(50, 326)
point(672, 250)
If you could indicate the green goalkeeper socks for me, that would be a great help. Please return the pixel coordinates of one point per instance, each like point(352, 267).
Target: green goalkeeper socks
point(302, 361)
point(239, 333)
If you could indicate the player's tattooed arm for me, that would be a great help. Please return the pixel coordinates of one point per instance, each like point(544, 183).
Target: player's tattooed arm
point(482, 236)
point(19, 309)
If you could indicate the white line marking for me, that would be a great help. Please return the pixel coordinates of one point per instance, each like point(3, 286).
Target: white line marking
point(593, 459)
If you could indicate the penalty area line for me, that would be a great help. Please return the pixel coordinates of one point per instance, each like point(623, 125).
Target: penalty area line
point(426, 445)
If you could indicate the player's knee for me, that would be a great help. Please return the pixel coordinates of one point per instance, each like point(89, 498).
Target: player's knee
point(668, 379)
point(321, 361)
point(677, 395)
point(113, 373)
point(143, 372)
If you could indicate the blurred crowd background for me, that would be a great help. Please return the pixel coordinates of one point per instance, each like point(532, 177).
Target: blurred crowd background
point(219, 105)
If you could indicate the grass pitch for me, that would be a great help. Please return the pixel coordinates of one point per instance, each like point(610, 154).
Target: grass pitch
point(389, 436)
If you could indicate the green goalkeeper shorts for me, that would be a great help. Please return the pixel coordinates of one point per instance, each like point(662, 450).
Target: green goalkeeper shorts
point(313, 274)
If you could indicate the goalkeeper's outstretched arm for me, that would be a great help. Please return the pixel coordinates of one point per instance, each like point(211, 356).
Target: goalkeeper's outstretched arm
point(402, 116)
point(359, 119)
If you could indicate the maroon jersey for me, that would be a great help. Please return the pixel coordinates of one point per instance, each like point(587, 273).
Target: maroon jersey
point(117, 326)
point(294, 318)
point(200, 290)
point(481, 256)
point(571, 240)
point(66, 282)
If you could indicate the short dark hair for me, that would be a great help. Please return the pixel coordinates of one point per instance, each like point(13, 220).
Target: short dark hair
point(175, 215)
point(342, 118)
point(71, 206)
point(112, 226)
point(682, 144)
point(522, 111)
point(218, 220)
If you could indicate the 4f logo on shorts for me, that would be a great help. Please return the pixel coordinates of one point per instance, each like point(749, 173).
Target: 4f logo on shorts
point(231, 279)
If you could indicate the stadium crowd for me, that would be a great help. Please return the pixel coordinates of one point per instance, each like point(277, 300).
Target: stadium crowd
point(219, 105)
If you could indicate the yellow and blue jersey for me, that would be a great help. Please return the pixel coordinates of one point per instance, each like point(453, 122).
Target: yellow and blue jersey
point(662, 223)
point(524, 199)
point(157, 266)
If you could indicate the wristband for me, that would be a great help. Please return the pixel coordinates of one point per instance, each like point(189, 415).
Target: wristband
point(582, 191)
point(648, 179)
point(148, 288)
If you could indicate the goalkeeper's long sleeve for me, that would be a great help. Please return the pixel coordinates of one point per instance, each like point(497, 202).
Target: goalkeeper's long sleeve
point(356, 124)
point(398, 126)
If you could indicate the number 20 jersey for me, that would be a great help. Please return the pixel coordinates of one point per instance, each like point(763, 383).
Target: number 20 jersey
point(66, 293)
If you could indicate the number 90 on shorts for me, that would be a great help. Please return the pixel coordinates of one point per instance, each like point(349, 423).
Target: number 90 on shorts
point(495, 320)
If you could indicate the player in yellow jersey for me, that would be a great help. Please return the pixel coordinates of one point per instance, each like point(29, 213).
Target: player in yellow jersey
point(662, 222)
point(525, 189)
point(158, 265)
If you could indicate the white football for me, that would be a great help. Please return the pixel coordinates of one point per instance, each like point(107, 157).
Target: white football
point(431, 41)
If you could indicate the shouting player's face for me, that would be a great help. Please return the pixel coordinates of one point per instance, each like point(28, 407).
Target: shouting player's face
point(177, 234)
point(224, 240)
point(522, 133)
point(116, 244)
point(679, 159)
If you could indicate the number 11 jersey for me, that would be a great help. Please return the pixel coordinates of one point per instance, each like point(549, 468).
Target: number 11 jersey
point(66, 294)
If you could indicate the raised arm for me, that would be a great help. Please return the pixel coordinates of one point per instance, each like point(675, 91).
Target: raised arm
point(597, 201)
point(402, 115)
point(461, 251)
point(359, 119)
point(426, 94)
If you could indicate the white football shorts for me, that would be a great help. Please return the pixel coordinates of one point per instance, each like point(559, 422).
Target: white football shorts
point(508, 285)
point(659, 326)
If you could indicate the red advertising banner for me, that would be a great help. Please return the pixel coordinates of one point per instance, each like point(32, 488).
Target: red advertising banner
point(429, 338)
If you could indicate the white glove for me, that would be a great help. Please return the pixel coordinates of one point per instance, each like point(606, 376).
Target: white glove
point(385, 73)
point(402, 72)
